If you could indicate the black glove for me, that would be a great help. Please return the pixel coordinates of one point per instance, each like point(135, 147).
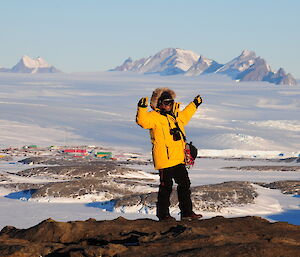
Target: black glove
point(197, 100)
point(143, 102)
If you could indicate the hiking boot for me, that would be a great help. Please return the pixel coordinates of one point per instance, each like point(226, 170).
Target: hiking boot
point(167, 218)
point(193, 216)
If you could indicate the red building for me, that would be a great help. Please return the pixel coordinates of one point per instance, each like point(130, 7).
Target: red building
point(80, 152)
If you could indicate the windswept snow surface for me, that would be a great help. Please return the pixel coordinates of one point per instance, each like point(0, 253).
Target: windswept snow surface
point(100, 108)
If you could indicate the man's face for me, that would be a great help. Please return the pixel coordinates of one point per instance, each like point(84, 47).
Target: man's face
point(167, 104)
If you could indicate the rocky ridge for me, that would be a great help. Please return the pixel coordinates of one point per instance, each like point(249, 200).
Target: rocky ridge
point(211, 198)
point(285, 186)
point(98, 180)
point(218, 236)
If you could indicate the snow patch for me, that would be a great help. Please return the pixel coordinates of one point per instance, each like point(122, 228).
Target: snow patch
point(230, 140)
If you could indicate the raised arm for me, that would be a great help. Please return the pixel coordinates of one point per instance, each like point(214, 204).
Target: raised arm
point(186, 114)
point(143, 117)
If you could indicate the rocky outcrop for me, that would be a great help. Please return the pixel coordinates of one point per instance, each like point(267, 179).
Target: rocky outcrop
point(95, 180)
point(112, 187)
point(247, 236)
point(291, 159)
point(212, 198)
point(266, 168)
point(115, 188)
point(286, 186)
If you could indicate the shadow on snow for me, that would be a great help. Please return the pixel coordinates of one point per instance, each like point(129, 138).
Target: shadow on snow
point(21, 195)
point(290, 216)
point(107, 205)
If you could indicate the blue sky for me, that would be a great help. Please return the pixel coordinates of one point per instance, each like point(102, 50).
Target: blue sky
point(95, 35)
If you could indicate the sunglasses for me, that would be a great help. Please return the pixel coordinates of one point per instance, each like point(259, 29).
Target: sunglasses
point(168, 102)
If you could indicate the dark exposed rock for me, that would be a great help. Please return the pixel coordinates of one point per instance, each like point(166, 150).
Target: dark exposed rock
point(247, 236)
point(260, 71)
point(205, 198)
point(3, 178)
point(71, 171)
point(105, 179)
point(281, 78)
point(286, 186)
point(218, 196)
point(63, 160)
point(119, 188)
point(22, 186)
point(82, 187)
point(256, 72)
point(71, 161)
point(266, 168)
point(291, 159)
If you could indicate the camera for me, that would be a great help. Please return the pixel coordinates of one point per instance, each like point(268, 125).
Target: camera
point(175, 133)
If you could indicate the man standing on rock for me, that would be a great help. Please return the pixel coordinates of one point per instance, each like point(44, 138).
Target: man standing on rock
point(166, 124)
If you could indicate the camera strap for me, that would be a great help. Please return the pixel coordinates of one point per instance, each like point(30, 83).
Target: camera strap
point(177, 126)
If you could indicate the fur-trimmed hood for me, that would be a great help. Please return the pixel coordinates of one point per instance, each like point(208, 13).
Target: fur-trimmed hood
point(157, 93)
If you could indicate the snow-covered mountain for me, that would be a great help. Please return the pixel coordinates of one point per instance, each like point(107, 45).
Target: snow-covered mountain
point(249, 67)
point(280, 77)
point(239, 64)
point(29, 65)
point(172, 61)
point(202, 66)
point(169, 61)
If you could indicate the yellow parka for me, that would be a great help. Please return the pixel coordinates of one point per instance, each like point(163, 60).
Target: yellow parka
point(165, 151)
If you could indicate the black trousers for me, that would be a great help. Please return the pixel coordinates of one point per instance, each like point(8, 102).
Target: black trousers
point(180, 175)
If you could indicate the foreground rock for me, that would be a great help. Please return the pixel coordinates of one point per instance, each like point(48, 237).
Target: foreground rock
point(247, 236)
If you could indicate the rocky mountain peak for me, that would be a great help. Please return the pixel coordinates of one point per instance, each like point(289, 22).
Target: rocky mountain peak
point(126, 65)
point(34, 63)
point(129, 59)
point(281, 72)
point(247, 53)
point(202, 66)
